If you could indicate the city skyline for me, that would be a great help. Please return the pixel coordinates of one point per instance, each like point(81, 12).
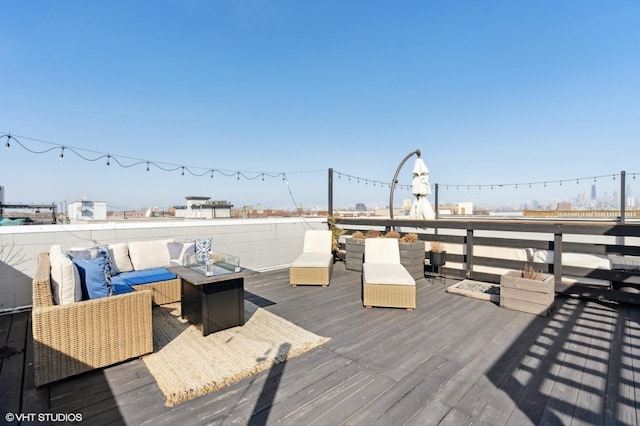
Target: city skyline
point(491, 94)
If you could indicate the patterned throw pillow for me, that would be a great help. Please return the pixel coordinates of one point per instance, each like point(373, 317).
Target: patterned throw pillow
point(110, 269)
point(203, 248)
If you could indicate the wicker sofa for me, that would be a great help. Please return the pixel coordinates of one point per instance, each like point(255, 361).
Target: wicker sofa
point(74, 338)
point(71, 335)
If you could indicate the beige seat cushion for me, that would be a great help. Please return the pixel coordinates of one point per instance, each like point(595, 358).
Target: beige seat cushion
point(312, 260)
point(387, 274)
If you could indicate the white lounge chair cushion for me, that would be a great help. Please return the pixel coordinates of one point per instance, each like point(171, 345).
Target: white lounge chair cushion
point(317, 241)
point(381, 250)
point(312, 260)
point(385, 273)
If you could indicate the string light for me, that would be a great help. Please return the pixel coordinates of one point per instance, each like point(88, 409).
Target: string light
point(238, 174)
point(119, 160)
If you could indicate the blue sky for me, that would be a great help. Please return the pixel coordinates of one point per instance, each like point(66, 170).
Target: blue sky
point(491, 92)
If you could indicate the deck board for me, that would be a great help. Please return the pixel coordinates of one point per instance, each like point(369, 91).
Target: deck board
point(454, 360)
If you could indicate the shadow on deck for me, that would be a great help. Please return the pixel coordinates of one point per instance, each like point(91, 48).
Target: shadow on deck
point(454, 360)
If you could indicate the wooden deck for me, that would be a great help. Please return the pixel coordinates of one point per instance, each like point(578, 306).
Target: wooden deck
point(454, 360)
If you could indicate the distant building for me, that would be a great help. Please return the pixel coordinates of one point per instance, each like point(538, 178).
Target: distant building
point(204, 208)
point(361, 207)
point(84, 210)
point(564, 206)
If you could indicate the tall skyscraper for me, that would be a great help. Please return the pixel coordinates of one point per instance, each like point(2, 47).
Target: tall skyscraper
point(593, 192)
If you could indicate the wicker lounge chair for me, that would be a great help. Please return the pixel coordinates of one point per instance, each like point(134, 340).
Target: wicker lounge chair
point(385, 281)
point(73, 338)
point(315, 264)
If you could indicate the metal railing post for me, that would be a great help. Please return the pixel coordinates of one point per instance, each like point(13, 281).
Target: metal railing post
point(623, 196)
point(436, 188)
point(330, 195)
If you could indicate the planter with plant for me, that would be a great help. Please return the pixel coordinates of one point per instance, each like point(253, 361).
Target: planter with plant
point(527, 291)
point(354, 248)
point(437, 254)
point(412, 254)
point(412, 251)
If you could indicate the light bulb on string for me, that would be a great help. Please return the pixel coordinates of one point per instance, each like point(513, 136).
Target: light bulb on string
point(8, 145)
point(61, 156)
point(263, 177)
point(182, 170)
point(211, 174)
point(147, 167)
point(108, 163)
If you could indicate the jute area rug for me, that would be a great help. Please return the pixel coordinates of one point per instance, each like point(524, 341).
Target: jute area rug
point(186, 364)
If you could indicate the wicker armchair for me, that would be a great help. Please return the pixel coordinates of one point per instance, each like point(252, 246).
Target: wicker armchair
point(315, 264)
point(385, 282)
point(74, 338)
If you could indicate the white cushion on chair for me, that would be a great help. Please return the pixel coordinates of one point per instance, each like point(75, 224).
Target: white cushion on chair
point(387, 274)
point(312, 260)
point(317, 241)
point(381, 250)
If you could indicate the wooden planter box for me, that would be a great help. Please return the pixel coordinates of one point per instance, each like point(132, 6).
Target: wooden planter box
point(355, 254)
point(526, 295)
point(412, 257)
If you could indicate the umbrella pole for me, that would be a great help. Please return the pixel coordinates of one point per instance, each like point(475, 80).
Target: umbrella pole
point(395, 181)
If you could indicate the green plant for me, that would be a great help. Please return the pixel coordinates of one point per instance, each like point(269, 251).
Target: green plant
point(336, 233)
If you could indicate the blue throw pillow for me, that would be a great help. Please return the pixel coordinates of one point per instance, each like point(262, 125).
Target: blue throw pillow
point(93, 280)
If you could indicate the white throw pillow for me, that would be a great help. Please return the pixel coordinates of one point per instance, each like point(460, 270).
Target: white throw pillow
point(149, 254)
point(120, 255)
point(65, 279)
